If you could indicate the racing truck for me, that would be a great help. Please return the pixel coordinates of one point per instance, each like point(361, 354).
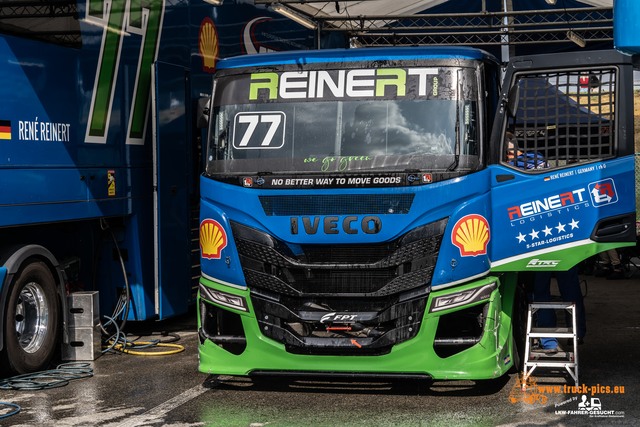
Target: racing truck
point(360, 214)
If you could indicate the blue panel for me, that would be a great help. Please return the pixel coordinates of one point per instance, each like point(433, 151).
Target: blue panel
point(46, 195)
point(174, 256)
point(538, 212)
point(626, 31)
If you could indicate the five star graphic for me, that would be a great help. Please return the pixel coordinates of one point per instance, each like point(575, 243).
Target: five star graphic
point(547, 231)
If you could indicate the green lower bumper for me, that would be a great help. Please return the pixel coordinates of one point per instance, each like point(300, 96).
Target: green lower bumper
point(491, 357)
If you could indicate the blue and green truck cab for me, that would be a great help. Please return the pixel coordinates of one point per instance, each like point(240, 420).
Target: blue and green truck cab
point(360, 215)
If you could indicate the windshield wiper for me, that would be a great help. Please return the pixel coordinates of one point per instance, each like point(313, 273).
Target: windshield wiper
point(456, 160)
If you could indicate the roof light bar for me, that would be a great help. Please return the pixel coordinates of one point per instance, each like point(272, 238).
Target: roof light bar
point(294, 16)
point(355, 43)
point(576, 38)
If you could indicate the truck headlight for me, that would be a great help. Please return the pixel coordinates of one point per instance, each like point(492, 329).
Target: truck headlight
point(457, 299)
point(223, 298)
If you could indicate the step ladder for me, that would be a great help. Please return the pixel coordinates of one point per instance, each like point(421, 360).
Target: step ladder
point(561, 359)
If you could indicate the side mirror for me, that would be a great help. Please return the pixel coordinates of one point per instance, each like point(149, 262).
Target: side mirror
point(203, 113)
point(512, 100)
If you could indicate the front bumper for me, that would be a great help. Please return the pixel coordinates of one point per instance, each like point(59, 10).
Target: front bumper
point(232, 340)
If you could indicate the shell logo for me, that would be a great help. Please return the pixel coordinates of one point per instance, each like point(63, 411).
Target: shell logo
point(213, 239)
point(208, 45)
point(471, 235)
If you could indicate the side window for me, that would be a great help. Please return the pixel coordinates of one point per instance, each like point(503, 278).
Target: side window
point(562, 118)
point(55, 22)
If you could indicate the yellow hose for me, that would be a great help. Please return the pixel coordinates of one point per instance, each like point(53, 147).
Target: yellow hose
point(178, 348)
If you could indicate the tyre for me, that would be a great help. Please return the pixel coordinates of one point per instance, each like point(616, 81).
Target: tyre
point(31, 320)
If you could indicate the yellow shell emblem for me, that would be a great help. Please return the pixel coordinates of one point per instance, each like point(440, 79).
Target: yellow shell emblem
point(208, 45)
point(471, 235)
point(213, 239)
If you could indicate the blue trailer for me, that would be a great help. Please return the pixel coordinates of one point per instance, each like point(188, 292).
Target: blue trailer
point(101, 155)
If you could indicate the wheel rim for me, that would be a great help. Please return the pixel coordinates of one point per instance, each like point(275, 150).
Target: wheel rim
point(32, 317)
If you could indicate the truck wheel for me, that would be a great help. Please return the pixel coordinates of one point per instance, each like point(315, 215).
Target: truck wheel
point(31, 322)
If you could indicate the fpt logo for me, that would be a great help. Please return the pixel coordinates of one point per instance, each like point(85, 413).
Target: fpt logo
point(603, 192)
point(213, 239)
point(337, 317)
point(208, 45)
point(471, 235)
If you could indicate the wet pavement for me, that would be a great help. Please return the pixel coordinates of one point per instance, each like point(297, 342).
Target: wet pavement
point(130, 390)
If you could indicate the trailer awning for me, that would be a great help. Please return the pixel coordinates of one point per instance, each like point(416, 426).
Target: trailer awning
point(522, 26)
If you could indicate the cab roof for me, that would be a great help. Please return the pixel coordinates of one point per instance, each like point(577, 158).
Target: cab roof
point(354, 55)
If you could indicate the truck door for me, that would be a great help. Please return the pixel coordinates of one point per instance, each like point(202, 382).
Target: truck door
point(170, 100)
point(562, 160)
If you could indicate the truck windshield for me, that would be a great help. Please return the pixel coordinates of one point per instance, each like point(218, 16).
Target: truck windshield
point(389, 120)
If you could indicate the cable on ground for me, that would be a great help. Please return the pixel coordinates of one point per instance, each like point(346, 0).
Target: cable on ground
point(10, 404)
point(132, 347)
point(118, 343)
point(52, 378)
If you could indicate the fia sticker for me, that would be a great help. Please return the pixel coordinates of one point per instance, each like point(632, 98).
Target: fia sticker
point(111, 183)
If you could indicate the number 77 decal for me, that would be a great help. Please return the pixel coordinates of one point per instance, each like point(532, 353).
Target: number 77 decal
point(273, 119)
point(121, 18)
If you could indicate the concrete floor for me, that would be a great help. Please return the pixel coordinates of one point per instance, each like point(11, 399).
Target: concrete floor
point(129, 390)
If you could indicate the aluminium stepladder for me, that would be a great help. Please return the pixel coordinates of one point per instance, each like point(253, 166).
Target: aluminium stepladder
point(562, 359)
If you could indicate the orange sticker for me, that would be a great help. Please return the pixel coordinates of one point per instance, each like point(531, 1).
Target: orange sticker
point(213, 239)
point(471, 235)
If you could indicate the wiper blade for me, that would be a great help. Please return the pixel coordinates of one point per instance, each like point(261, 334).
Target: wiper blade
point(456, 160)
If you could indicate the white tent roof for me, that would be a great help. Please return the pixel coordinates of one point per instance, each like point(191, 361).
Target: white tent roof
point(389, 7)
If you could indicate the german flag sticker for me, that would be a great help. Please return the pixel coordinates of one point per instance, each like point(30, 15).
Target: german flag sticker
point(5, 129)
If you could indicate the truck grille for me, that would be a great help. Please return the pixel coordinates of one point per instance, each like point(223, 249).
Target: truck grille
point(339, 299)
point(365, 270)
point(331, 326)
